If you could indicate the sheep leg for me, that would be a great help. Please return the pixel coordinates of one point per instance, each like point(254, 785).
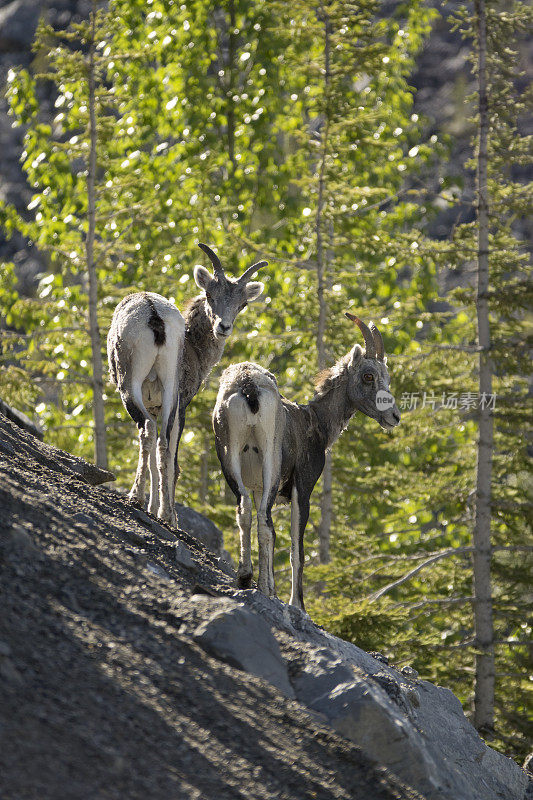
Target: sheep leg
point(244, 521)
point(147, 435)
point(231, 467)
point(166, 452)
point(154, 481)
point(132, 397)
point(299, 517)
point(244, 518)
point(266, 533)
point(172, 460)
point(181, 425)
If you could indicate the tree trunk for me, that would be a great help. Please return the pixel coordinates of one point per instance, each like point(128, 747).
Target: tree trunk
point(483, 621)
point(96, 347)
point(231, 91)
point(326, 505)
point(204, 469)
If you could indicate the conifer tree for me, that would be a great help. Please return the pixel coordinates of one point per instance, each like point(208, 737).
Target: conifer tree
point(484, 629)
point(404, 570)
point(286, 131)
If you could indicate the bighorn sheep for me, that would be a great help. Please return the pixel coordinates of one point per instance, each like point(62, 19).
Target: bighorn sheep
point(276, 448)
point(158, 360)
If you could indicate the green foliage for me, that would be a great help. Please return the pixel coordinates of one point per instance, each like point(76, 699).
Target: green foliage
point(217, 125)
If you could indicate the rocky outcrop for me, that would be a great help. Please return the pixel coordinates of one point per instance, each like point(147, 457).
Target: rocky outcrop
point(46, 453)
point(20, 419)
point(201, 528)
point(131, 667)
point(241, 638)
point(418, 730)
point(18, 22)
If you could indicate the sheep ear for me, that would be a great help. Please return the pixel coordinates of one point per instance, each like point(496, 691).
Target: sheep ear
point(253, 290)
point(202, 276)
point(356, 355)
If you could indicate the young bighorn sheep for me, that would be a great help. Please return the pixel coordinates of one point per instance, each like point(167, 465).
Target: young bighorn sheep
point(276, 449)
point(158, 360)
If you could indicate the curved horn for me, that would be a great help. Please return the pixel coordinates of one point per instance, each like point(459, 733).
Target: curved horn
point(378, 340)
point(251, 270)
point(370, 344)
point(217, 266)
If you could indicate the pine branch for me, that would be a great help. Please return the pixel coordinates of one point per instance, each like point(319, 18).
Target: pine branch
point(452, 551)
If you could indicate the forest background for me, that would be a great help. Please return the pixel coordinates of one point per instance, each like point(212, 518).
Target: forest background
point(288, 131)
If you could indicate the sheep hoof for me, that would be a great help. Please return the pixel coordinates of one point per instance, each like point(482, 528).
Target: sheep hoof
point(244, 580)
point(169, 517)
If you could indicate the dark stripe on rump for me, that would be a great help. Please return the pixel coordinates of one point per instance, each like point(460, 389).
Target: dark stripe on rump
point(135, 412)
point(156, 324)
point(249, 390)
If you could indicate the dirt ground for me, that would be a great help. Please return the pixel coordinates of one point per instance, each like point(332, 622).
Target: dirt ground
point(104, 693)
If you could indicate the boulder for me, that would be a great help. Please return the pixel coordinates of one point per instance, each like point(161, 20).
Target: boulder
point(184, 557)
point(241, 638)
point(21, 420)
point(227, 565)
point(368, 713)
point(18, 22)
point(321, 673)
point(200, 528)
point(416, 729)
point(361, 711)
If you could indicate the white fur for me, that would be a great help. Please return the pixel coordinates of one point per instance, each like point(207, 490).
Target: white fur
point(253, 454)
point(153, 379)
point(149, 375)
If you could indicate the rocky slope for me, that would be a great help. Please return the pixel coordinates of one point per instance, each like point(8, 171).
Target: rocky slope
point(130, 667)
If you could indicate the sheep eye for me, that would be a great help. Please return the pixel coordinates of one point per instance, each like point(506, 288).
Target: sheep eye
point(368, 377)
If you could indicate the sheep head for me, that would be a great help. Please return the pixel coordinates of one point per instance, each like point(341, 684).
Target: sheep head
point(225, 297)
point(369, 386)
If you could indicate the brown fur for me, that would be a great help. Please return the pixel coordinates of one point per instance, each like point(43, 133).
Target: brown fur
point(328, 378)
point(201, 350)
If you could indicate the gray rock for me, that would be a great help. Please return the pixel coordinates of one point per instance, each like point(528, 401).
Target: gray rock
point(443, 754)
point(5, 649)
point(183, 556)
point(157, 570)
point(368, 713)
point(477, 771)
point(143, 517)
point(226, 564)
point(84, 519)
point(379, 657)
point(162, 532)
point(243, 639)
point(16, 416)
point(18, 22)
point(409, 672)
point(19, 540)
point(362, 712)
point(321, 674)
point(200, 528)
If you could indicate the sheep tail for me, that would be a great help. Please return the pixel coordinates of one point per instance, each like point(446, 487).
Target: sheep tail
point(251, 395)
